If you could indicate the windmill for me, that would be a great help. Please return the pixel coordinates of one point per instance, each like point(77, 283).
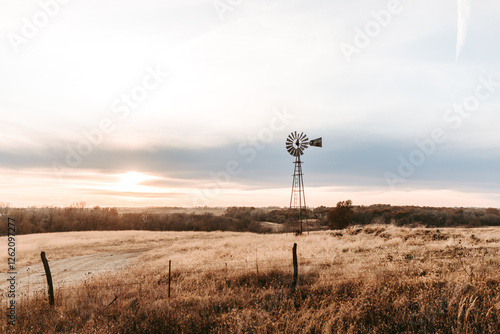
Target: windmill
point(295, 145)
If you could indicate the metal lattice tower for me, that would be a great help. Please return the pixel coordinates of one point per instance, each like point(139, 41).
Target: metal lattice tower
point(298, 197)
point(295, 145)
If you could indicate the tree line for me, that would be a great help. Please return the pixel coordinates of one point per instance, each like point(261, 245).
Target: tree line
point(80, 217)
point(345, 214)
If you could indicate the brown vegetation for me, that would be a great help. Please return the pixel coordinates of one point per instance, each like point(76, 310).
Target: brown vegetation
point(341, 216)
point(79, 217)
point(372, 279)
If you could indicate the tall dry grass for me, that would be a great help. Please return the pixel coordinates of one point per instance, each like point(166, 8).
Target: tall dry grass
point(376, 279)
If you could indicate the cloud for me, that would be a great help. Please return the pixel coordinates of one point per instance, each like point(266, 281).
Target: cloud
point(464, 9)
point(345, 159)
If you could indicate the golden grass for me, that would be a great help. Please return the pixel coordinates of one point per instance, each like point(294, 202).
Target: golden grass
point(376, 279)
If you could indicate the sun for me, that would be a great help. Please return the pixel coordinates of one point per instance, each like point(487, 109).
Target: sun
point(130, 181)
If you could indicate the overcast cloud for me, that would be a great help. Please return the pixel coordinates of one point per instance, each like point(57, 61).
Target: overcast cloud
point(177, 90)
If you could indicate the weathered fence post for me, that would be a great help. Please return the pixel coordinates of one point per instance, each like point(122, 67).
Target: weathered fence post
point(256, 263)
point(49, 278)
point(225, 273)
point(295, 268)
point(169, 270)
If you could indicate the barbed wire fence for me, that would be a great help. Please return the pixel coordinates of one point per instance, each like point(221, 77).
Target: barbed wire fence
point(35, 286)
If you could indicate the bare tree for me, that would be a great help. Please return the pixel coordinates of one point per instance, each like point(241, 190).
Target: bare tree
point(4, 208)
point(36, 216)
point(50, 213)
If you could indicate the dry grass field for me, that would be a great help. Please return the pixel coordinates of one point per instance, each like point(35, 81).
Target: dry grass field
point(376, 279)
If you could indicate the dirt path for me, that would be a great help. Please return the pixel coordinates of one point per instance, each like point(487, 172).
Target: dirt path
point(67, 272)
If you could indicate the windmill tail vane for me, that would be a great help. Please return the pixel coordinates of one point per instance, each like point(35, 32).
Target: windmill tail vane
point(295, 145)
point(318, 142)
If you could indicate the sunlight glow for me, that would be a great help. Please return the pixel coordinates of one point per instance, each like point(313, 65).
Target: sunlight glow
point(130, 181)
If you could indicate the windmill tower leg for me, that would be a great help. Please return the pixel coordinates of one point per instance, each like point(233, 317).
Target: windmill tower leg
point(298, 197)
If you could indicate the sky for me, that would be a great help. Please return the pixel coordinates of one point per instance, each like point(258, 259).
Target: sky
point(189, 103)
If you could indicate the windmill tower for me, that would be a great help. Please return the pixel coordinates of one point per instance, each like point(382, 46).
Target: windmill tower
point(295, 145)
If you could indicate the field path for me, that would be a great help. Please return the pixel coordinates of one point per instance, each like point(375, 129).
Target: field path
point(69, 271)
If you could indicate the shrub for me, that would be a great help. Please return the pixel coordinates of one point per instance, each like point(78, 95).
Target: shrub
point(340, 217)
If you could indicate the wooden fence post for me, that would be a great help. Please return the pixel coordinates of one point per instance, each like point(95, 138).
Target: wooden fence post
point(49, 278)
point(295, 268)
point(225, 273)
point(256, 263)
point(169, 270)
